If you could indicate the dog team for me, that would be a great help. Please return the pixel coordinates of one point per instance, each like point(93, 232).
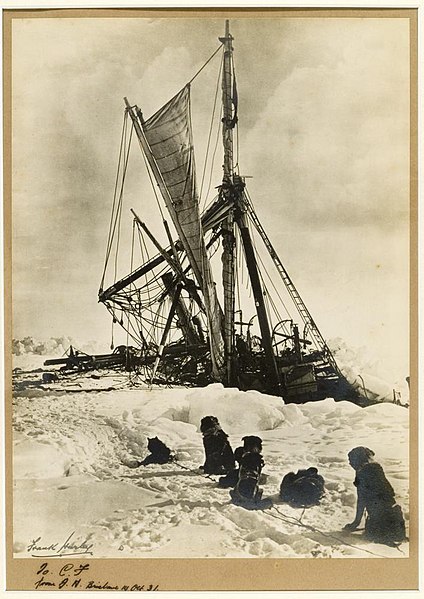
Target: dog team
point(241, 472)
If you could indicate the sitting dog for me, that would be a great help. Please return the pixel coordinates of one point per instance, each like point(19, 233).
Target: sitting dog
point(219, 456)
point(247, 491)
point(230, 479)
point(252, 444)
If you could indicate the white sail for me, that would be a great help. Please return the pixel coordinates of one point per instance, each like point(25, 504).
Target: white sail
point(169, 136)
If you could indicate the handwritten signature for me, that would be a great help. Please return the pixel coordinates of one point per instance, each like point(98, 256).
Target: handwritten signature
point(57, 549)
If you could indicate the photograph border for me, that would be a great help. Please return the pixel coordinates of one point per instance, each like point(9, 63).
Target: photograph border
point(226, 574)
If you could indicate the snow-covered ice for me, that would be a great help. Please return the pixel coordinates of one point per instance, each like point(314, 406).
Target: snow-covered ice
point(74, 443)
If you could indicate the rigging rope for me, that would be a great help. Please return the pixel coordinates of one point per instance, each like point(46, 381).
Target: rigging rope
point(210, 135)
point(120, 204)
point(131, 269)
point(236, 165)
point(274, 287)
point(206, 63)
point(213, 158)
point(110, 234)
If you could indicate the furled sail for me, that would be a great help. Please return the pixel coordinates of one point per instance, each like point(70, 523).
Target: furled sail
point(169, 136)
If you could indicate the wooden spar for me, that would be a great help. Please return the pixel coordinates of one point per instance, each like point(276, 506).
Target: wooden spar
point(185, 324)
point(170, 259)
point(171, 315)
point(176, 267)
point(272, 370)
point(136, 274)
point(228, 240)
point(227, 80)
point(174, 251)
point(208, 221)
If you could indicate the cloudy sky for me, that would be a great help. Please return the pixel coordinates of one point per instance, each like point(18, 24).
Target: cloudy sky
point(324, 136)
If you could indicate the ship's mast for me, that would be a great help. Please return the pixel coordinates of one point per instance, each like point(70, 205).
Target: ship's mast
point(233, 190)
point(228, 240)
point(227, 103)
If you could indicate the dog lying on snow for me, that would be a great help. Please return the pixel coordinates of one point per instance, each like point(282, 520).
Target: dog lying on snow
point(159, 454)
point(219, 456)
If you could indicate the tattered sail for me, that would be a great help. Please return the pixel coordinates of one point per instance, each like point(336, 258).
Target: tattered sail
point(168, 133)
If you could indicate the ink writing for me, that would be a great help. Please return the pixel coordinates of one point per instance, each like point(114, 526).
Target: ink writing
point(71, 546)
point(71, 576)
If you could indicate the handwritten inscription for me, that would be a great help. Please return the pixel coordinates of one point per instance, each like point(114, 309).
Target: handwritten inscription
point(70, 547)
point(71, 576)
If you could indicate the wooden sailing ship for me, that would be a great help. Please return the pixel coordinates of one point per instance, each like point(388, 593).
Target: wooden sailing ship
point(184, 315)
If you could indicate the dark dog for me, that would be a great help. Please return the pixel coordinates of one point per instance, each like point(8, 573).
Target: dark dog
point(230, 479)
point(303, 489)
point(247, 489)
point(159, 453)
point(385, 522)
point(219, 456)
point(251, 443)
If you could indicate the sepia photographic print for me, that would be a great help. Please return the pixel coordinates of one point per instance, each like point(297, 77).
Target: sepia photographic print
point(211, 299)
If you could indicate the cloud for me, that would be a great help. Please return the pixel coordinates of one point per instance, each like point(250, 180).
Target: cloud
point(335, 137)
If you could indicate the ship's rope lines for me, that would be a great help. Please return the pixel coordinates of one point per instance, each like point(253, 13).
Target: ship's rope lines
point(239, 263)
point(268, 300)
point(115, 193)
point(203, 200)
point(313, 337)
point(242, 266)
point(236, 163)
point(116, 226)
point(144, 256)
point(112, 313)
point(265, 270)
point(243, 281)
point(131, 269)
point(119, 211)
point(205, 64)
point(213, 158)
